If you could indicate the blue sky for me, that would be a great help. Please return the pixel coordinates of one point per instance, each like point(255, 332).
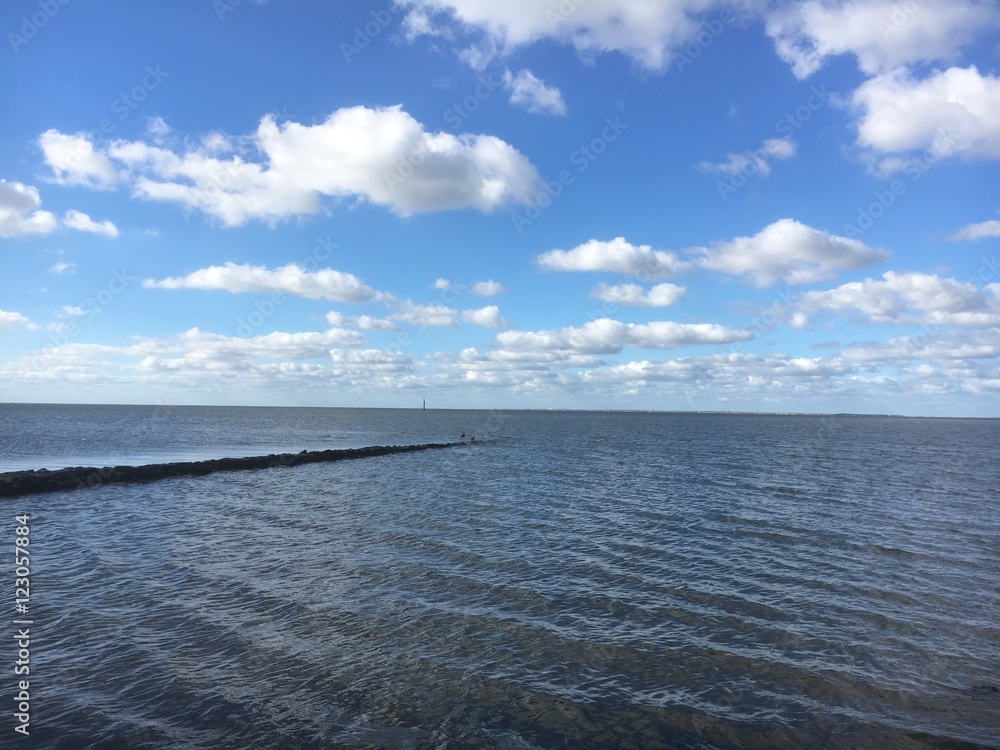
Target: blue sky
point(673, 204)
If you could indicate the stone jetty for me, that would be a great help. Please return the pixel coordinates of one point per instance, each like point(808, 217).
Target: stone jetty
point(15, 483)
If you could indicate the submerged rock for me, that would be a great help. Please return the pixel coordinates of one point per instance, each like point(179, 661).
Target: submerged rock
point(33, 482)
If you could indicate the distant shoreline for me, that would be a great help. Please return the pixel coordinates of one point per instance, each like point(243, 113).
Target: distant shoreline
point(534, 410)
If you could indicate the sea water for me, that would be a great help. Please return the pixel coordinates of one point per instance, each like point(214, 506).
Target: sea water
point(569, 580)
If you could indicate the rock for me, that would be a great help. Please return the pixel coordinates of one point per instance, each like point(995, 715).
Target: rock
point(15, 483)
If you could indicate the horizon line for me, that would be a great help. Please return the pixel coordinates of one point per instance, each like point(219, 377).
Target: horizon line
point(736, 412)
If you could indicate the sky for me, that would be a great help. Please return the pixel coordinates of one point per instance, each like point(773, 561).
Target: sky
point(725, 205)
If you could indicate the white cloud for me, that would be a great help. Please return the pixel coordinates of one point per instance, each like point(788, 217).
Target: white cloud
point(201, 360)
point(607, 336)
point(661, 295)
point(364, 322)
point(20, 212)
point(951, 113)
point(74, 161)
point(289, 279)
point(881, 34)
point(80, 221)
point(774, 370)
point(198, 344)
point(488, 316)
point(910, 299)
point(157, 127)
point(425, 316)
point(361, 365)
point(943, 345)
point(10, 320)
point(960, 367)
point(380, 155)
point(799, 320)
point(617, 256)
point(62, 268)
point(488, 288)
point(978, 231)
point(648, 31)
point(72, 311)
point(756, 161)
point(531, 93)
point(787, 251)
point(442, 284)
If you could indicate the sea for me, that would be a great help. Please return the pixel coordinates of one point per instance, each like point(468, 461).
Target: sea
point(571, 579)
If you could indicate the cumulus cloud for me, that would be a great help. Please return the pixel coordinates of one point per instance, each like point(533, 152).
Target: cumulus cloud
point(951, 113)
point(910, 298)
point(633, 295)
point(10, 320)
point(289, 279)
point(74, 160)
point(20, 211)
point(362, 363)
point(978, 231)
point(21, 215)
point(425, 316)
point(197, 359)
point(364, 322)
point(488, 288)
point(277, 345)
point(531, 93)
point(381, 155)
point(943, 345)
point(157, 127)
point(196, 345)
point(756, 161)
point(488, 316)
point(80, 221)
point(197, 356)
point(617, 256)
point(733, 369)
point(607, 336)
point(787, 251)
point(647, 31)
point(62, 268)
point(881, 34)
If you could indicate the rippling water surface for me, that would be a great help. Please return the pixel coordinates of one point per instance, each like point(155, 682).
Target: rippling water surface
point(575, 580)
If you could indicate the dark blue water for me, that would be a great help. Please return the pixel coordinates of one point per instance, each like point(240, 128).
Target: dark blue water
point(576, 580)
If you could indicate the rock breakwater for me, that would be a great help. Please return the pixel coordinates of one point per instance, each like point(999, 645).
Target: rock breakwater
point(15, 483)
